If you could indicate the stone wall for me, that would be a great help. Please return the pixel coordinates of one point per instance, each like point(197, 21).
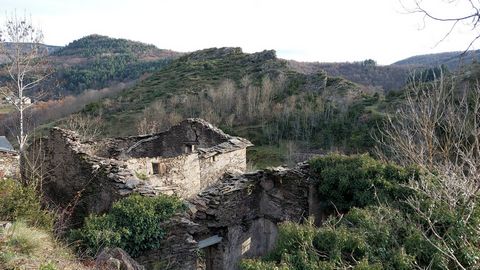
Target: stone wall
point(190, 156)
point(181, 173)
point(243, 210)
point(8, 165)
point(68, 172)
point(175, 141)
point(188, 174)
point(214, 167)
point(72, 175)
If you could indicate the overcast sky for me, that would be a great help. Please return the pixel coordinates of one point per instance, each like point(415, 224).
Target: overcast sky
point(304, 30)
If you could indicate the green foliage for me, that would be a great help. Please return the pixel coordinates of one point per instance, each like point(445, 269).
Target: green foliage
point(141, 175)
point(107, 60)
point(250, 264)
point(104, 70)
point(94, 45)
point(359, 180)
point(428, 74)
point(377, 229)
point(20, 202)
point(369, 63)
point(368, 238)
point(48, 266)
point(460, 236)
point(132, 224)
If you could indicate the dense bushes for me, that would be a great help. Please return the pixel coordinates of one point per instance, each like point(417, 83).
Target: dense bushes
point(132, 224)
point(371, 238)
point(20, 202)
point(358, 181)
point(378, 226)
point(376, 237)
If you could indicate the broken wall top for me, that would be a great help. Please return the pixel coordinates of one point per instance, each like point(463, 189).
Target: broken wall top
point(206, 139)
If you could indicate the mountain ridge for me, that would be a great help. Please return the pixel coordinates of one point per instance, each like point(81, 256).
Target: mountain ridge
point(453, 60)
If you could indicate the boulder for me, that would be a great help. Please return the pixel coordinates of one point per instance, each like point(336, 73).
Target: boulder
point(116, 259)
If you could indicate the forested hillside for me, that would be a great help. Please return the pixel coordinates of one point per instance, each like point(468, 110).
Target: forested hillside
point(452, 60)
point(386, 78)
point(290, 110)
point(287, 114)
point(96, 61)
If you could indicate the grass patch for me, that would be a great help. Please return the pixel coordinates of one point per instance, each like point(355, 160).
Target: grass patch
point(26, 247)
point(20, 202)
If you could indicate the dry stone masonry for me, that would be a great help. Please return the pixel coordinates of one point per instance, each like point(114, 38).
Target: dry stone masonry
point(230, 214)
point(237, 218)
point(184, 160)
point(9, 159)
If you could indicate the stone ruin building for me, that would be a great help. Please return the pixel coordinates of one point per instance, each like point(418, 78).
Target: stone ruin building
point(184, 160)
point(237, 218)
point(8, 159)
point(230, 214)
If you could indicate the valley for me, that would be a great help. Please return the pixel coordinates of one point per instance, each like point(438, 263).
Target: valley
point(137, 157)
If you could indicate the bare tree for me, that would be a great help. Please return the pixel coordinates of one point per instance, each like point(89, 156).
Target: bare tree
point(462, 13)
point(87, 127)
point(438, 130)
point(25, 67)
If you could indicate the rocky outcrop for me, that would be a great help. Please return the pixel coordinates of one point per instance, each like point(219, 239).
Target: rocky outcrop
point(230, 53)
point(116, 259)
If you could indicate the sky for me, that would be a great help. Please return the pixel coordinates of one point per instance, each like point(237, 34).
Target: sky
point(302, 30)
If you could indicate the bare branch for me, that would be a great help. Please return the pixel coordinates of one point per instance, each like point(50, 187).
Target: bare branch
point(470, 17)
point(437, 130)
point(20, 42)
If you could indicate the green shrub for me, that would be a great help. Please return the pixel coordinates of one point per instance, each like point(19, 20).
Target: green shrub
point(249, 264)
point(378, 228)
point(375, 237)
point(132, 224)
point(20, 202)
point(370, 238)
point(141, 175)
point(48, 266)
point(359, 180)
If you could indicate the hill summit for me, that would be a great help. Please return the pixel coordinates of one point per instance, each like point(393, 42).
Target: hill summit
point(98, 45)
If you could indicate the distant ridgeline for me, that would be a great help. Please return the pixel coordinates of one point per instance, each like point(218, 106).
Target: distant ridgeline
point(452, 60)
point(96, 61)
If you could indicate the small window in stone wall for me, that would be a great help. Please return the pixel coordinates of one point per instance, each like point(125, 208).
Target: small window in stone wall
point(158, 168)
point(189, 148)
